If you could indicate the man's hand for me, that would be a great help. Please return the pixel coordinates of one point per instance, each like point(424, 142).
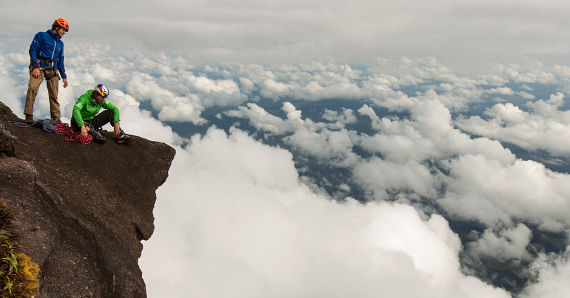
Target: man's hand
point(84, 131)
point(64, 83)
point(117, 129)
point(36, 73)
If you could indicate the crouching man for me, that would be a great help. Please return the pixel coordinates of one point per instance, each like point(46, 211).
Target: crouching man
point(86, 116)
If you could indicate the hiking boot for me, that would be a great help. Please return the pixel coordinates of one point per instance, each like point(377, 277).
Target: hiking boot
point(29, 119)
point(124, 138)
point(97, 136)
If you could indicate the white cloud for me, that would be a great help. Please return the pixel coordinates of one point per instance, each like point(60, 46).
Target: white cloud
point(324, 144)
point(535, 75)
point(170, 106)
point(429, 135)
point(232, 205)
point(246, 85)
point(553, 275)
point(507, 113)
point(508, 244)
point(292, 112)
point(101, 73)
point(121, 99)
point(181, 110)
point(492, 193)
point(275, 90)
point(432, 119)
point(139, 122)
point(233, 213)
point(546, 127)
point(501, 90)
point(381, 176)
point(213, 92)
point(259, 118)
point(12, 90)
point(346, 117)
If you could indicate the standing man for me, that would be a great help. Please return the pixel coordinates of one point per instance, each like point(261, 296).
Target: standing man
point(46, 62)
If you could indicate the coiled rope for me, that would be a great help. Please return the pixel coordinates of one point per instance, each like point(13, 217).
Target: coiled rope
point(70, 136)
point(50, 125)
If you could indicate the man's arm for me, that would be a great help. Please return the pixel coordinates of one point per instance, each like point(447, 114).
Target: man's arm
point(61, 66)
point(34, 48)
point(77, 116)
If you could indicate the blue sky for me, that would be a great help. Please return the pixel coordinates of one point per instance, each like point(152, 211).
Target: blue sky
point(239, 218)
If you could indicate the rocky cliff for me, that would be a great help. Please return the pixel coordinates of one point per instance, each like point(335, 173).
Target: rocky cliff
point(82, 210)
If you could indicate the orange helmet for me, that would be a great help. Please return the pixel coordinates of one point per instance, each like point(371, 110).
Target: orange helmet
point(63, 23)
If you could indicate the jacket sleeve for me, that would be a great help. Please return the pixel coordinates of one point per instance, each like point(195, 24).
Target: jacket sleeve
point(34, 49)
point(109, 106)
point(61, 67)
point(77, 111)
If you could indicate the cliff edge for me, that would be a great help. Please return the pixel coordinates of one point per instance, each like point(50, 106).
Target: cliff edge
point(82, 210)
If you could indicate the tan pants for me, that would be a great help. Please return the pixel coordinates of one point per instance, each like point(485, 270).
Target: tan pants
point(52, 79)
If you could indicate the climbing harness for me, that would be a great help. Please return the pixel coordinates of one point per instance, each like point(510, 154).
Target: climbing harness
point(49, 62)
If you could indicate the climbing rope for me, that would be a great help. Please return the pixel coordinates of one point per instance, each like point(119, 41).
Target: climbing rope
point(21, 124)
point(50, 125)
point(63, 129)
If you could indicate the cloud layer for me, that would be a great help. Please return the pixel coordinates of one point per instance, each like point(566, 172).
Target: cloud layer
point(423, 144)
point(233, 230)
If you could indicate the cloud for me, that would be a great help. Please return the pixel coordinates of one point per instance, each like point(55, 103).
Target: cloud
point(141, 123)
point(346, 117)
point(396, 129)
point(213, 92)
point(259, 118)
point(545, 127)
point(171, 107)
point(324, 144)
point(429, 134)
point(300, 32)
point(181, 110)
point(233, 212)
point(508, 244)
point(492, 193)
point(292, 112)
point(552, 277)
point(515, 73)
point(381, 176)
point(11, 88)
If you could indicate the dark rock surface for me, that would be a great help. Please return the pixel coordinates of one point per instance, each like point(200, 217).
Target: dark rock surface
point(82, 210)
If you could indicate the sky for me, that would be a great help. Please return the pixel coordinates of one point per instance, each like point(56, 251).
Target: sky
point(464, 33)
point(449, 112)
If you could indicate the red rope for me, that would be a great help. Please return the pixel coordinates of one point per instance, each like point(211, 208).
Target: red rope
point(65, 130)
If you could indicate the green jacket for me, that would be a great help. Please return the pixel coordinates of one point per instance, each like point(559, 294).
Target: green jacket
point(87, 109)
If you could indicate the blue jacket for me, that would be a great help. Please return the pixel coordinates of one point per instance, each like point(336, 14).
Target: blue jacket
point(47, 46)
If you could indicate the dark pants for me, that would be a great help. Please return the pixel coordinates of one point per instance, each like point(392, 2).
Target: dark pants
point(101, 119)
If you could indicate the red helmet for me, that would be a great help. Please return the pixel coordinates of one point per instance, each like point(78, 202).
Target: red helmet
point(63, 23)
